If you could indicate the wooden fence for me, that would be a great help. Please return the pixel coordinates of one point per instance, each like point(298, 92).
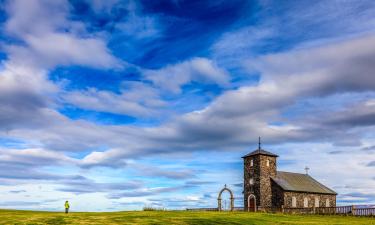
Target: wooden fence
point(344, 210)
point(364, 211)
point(202, 209)
point(338, 210)
point(213, 209)
point(238, 209)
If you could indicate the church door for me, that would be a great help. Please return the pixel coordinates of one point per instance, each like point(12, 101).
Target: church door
point(251, 203)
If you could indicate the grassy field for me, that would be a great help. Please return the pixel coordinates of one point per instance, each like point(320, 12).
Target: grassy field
point(171, 217)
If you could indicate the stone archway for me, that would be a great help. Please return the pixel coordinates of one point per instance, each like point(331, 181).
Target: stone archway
point(231, 199)
point(251, 203)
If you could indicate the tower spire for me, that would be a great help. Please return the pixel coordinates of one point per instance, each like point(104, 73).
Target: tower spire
point(259, 147)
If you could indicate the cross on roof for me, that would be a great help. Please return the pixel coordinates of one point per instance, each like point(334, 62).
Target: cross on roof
point(259, 147)
point(307, 170)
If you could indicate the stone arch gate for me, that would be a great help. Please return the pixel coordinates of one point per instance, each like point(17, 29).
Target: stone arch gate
point(219, 207)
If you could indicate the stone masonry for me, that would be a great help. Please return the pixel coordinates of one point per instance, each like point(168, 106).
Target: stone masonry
point(311, 199)
point(261, 175)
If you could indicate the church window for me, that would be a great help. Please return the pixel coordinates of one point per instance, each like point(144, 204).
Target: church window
point(251, 181)
point(305, 202)
point(294, 202)
point(268, 162)
point(316, 202)
point(327, 202)
point(251, 162)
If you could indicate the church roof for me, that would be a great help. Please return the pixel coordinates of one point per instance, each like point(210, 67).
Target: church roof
point(300, 183)
point(260, 152)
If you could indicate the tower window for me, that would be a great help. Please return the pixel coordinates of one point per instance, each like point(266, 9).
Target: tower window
point(251, 162)
point(294, 202)
point(268, 162)
point(305, 202)
point(251, 181)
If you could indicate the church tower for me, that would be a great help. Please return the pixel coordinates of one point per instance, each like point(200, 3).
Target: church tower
point(259, 167)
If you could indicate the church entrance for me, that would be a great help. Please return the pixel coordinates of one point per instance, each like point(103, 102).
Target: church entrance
point(251, 203)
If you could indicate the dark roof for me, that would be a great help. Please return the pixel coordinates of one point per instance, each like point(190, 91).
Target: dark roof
point(260, 152)
point(300, 183)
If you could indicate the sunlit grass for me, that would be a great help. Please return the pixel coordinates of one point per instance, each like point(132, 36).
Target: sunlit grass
point(171, 217)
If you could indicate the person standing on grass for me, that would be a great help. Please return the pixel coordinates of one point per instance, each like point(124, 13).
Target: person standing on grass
point(67, 206)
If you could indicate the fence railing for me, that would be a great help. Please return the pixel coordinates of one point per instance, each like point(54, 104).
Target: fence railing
point(338, 210)
point(202, 209)
point(214, 209)
point(364, 211)
point(238, 209)
point(319, 210)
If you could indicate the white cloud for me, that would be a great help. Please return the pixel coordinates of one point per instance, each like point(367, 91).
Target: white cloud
point(236, 118)
point(172, 77)
point(24, 91)
point(33, 17)
point(236, 44)
point(35, 157)
point(136, 99)
point(288, 77)
point(137, 25)
point(53, 41)
point(105, 102)
point(104, 159)
point(65, 49)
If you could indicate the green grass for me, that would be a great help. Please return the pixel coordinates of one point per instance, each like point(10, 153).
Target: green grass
point(171, 217)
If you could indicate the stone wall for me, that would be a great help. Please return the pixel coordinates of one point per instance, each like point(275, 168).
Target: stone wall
point(251, 172)
point(311, 199)
point(266, 172)
point(277, 195)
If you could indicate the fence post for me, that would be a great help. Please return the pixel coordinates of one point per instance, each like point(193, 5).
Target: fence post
point(353, 210)
point(282, 208)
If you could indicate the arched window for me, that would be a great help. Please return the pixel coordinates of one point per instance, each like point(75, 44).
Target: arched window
point(294, 202)
point(268, 162)
point(251, 181)
point(316, 202)
point(251, 163)
point(305, 202)
point(327, 202)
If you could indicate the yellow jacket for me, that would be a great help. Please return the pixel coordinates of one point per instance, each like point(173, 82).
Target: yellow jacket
point(67, 205)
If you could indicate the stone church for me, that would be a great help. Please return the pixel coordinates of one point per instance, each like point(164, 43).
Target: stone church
point(265, 187)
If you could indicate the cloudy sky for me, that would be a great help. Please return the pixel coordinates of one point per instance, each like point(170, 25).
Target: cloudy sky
point(116, 105)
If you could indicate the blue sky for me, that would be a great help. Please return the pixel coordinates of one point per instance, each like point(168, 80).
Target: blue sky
point(153, 103)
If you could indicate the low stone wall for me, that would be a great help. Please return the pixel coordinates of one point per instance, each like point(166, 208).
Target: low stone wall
point(311, 199)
